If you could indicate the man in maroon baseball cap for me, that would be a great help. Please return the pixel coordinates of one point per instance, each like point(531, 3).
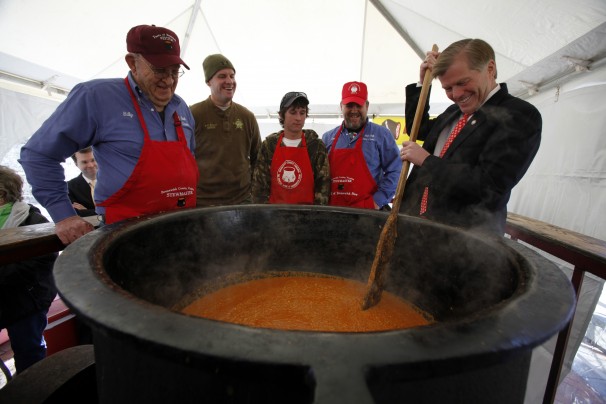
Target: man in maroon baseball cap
point(141, 133)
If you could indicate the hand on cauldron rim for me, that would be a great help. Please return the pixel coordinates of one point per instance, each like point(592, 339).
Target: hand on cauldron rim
point(72, 228)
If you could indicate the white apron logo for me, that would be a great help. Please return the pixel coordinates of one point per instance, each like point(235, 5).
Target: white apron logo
point(289, 175)
point(176, 192)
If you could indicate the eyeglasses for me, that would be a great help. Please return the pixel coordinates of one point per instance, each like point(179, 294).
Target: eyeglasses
point(163, 73)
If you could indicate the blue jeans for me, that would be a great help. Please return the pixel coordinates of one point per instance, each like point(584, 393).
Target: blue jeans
point(27, 340)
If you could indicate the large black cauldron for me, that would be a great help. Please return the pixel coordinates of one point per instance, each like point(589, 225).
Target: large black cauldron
point(494, 300)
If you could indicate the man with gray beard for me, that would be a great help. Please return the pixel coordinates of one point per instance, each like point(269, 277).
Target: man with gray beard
point(363, 156)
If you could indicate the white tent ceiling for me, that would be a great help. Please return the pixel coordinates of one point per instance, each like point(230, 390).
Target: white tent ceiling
point(275, 45)
point(312, 46)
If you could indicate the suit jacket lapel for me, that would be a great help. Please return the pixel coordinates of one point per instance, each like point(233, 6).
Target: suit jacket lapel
point(477, 119)
point(474, 122)
point(451, 114)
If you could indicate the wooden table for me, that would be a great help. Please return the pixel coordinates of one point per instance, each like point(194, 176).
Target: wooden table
point(586, 254)
point(30, 241)
point(582, 251)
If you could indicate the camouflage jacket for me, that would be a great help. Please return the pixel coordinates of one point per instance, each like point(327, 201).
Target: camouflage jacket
point(318, 157)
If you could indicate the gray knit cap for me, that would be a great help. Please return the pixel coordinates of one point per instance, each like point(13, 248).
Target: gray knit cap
point(213, 63)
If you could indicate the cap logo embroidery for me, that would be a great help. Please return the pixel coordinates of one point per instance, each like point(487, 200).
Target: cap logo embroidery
point(164, 37)
point(354, 89)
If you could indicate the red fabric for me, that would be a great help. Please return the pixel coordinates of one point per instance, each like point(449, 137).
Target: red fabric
point(165, 177)
point(292, 178)
point(351, 182)
point(61, 332)
point(458, 127)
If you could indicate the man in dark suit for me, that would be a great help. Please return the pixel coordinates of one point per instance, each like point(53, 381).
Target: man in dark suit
point(82, 187)
point(466, 179)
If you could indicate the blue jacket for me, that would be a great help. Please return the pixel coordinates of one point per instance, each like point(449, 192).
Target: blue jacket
point(96, 113)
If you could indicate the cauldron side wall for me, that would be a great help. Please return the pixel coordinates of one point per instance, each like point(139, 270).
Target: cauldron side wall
point(112, 288)
point(492, 382)
point(131, 372)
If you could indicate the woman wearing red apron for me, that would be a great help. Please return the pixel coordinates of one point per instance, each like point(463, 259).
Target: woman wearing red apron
point(292, 166)
point(164, 178)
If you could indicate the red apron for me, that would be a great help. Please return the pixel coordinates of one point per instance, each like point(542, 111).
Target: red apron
point(292, 178)
point(351, 182)
point(164, 178)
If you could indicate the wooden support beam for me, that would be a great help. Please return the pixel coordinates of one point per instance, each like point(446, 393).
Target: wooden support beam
point(26, 242)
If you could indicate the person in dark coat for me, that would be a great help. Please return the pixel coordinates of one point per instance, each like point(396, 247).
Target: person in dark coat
point(465, 179)
point(81, 188)
point(27, 288)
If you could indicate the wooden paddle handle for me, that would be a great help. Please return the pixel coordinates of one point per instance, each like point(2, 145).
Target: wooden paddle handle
point(416, 124)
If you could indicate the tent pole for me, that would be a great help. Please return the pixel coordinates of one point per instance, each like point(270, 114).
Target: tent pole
point(363, 40)
point(190, 26)
point(399, 29)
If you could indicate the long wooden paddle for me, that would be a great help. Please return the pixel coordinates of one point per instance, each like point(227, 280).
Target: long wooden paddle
point(389, 233)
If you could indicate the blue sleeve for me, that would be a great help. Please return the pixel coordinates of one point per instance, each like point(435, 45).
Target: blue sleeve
point(189, 127)
point(391, 166)
point(328, 138)
point(192, 142)
point(70, 128)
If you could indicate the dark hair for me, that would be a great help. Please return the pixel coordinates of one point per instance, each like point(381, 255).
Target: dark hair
point(478, 52)
point(88, 149)
point(299, 102)
point(11, 185)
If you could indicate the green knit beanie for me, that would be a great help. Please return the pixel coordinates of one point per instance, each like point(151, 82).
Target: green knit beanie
point(213, 63)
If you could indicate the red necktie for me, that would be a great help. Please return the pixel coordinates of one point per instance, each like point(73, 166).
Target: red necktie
point(458, 127)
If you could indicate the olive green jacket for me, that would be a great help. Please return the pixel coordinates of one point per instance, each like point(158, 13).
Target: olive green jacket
point(227, 144)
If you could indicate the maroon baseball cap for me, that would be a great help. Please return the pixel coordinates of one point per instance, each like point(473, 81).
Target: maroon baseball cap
point(354, 91)
point(159, 46)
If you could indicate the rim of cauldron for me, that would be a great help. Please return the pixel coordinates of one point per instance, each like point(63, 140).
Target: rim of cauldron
point(102, 304)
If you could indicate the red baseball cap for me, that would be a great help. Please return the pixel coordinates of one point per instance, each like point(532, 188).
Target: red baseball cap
point(159, 46)
point(354, 91)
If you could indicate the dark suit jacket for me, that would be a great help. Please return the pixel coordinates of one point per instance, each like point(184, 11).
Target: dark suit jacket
point(471, 184)
point(79, 191)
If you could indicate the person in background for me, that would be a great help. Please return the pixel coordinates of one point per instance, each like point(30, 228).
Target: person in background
point(141, 132)
point(227, 139)
point(292, 166)
point(477, 150)
point(26, 287)
point(81, 188)
point(363, 156)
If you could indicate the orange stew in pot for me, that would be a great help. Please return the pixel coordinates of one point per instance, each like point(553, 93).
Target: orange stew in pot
point(306, 303)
